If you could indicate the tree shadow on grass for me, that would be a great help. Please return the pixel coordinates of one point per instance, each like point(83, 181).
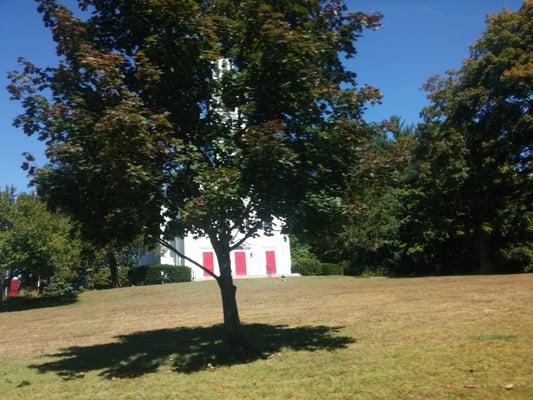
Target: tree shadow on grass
point(29, 303)
point(187, 350)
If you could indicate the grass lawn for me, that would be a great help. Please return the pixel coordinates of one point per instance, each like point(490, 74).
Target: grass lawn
point(316, 338)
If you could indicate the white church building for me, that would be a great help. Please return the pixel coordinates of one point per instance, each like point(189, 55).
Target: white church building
point(262, 256)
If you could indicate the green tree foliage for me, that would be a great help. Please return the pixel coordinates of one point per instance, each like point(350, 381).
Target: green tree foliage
point(473, 192)
point(139, 117)
point(94, 273)
point(453, 195)
point(7, 198)
point(371, 240)
point(367, 236)
point(40, 245)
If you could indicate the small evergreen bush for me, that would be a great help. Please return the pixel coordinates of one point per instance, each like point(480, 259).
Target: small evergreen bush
point(101, 278)
point(519, 258)
point(57, 288)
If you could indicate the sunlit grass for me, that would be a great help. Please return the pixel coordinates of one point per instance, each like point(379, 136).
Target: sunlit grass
point(314, 338)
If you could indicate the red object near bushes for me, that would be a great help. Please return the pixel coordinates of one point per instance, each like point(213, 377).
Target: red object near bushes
point(14, 287)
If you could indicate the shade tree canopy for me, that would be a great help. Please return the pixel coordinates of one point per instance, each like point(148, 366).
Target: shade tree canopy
point(138, 117)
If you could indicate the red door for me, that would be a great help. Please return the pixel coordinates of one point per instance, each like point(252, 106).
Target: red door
point(271, 262)
point(208, 262)
point(240, 263)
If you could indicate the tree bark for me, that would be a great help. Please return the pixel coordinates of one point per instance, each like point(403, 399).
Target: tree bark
point(228, 290)
point(39, 286)
point(113, 267)
point(485, 262)
point(5, 279)
point(7, 276)
point(2, 286)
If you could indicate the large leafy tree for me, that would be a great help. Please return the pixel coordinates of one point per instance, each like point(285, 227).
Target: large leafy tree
point(223, 114)
point(474, 188)
point(35, 242)
point(7, 199)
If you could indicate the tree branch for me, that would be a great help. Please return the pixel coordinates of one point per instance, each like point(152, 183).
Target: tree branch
point(237, 225)
point(179, 253)
point(247, 236)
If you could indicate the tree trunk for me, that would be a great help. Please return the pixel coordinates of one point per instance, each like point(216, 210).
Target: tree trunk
point(2, 286)
point(232, 323)
point(39, 286)
point(485, 263)
point(5, 279)
point(113, 267)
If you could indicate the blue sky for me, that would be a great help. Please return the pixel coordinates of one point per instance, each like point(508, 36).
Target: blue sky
point(418, 38)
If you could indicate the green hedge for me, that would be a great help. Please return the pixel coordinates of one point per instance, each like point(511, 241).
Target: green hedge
point(331, 269)
point(151, 274)
point(307, 266)
point(311, 266)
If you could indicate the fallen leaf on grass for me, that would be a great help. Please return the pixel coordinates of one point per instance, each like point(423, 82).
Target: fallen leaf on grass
point(449, 386)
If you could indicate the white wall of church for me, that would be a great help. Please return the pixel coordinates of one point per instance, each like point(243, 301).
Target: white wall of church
point(255, 255)
point(252, 263)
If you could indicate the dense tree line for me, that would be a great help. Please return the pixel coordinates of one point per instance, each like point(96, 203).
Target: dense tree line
point(454, 193)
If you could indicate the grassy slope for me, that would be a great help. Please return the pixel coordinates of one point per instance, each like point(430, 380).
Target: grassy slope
point(319, 338)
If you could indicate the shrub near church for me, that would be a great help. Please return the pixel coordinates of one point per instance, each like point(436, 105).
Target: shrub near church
point(159, 273)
